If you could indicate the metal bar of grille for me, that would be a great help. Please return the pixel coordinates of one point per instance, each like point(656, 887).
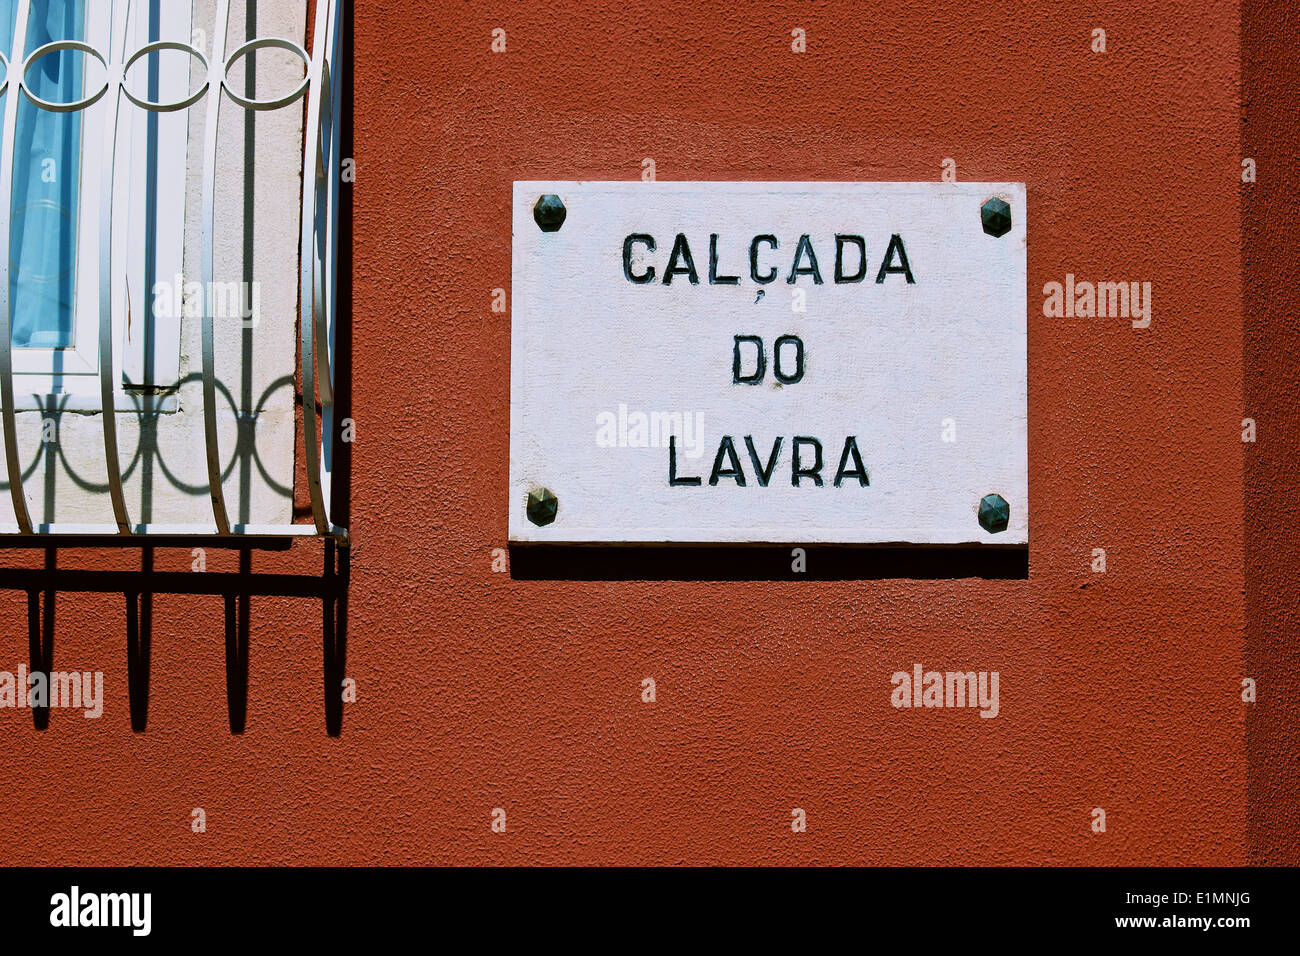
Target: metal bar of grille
point(116, 57)
point(216, 79)
point(311, 325)
point(13, 83)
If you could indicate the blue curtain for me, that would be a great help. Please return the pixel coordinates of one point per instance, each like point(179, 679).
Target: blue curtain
point(47, 173)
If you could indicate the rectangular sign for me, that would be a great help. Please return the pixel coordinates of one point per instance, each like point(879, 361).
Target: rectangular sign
point(753, 362)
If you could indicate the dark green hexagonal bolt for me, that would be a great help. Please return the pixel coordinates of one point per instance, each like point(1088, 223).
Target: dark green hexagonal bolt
point(995, 513)
point(550, 212)
point(542, 505)
point(996, 217)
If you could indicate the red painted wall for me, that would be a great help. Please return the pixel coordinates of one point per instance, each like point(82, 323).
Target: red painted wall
point(479, 690)
point(1270, 235)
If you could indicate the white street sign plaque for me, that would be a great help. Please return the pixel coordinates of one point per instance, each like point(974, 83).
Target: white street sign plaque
point(795, 363)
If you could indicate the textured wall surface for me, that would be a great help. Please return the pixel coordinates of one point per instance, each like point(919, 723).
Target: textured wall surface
point(481, 690)
point(1270, 234)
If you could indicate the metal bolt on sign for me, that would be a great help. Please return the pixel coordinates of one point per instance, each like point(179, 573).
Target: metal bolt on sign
point(995, 215)
point(550, 212)
point(542, 506)
point(994, 514)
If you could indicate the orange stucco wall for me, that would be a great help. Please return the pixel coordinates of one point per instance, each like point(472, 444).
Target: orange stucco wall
point(479, 689)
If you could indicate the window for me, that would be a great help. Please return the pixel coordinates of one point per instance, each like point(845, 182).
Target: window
point(59, 172)
point(168, 226)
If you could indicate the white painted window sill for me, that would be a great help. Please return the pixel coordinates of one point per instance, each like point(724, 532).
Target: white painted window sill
point(82, 403)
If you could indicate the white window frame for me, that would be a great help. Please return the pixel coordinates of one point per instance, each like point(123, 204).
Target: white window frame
point(68, 378)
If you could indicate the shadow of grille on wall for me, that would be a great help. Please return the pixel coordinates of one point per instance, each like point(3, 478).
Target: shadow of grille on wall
point(317, 292)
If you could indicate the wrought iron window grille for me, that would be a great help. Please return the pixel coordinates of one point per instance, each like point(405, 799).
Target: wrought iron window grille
point(323, 340)
point(317, 262)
